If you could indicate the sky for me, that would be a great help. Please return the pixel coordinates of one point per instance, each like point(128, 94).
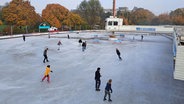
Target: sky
point(156, 6)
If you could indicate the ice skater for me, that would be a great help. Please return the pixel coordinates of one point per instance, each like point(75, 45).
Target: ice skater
point(142, 37)
point(97, 79)
point(80, 42)
point(45, 55)
point(108, 90)
point(84, 46)
point(47, 71)
point(24, 37)
point(59, 44)
point(118, 53)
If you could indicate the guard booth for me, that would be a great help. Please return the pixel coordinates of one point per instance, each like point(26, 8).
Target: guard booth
point(44, 26)
point(113, 23)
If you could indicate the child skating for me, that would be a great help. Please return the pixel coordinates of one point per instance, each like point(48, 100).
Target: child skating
point(59, 44)
point(47, 71)
point(108, 90)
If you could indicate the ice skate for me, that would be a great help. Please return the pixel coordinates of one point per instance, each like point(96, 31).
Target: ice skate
point(110, 100)
point(98, 89)
point(104, 99)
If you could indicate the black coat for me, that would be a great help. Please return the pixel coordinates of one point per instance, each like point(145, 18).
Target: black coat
point(45, 52)
point(84, 44)
point(80, 41)
point(117, 51)
point(97, 75)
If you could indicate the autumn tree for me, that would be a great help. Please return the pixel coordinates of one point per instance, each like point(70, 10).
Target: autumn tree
point(164, 19)
point(155, 21)
point(125, 15)
point(92, 12)
point(55, 14)
point(20, 13)
point(1, 22)
point(1, 17)
point(177, 16)
point(141, 17)
point(73, 20)
point(58, 16)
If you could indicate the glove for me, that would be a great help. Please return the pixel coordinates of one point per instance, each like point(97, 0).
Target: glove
point(111, 91)
point(51, 71)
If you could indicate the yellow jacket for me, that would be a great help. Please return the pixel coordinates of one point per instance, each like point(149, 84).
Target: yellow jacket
point(47, 71)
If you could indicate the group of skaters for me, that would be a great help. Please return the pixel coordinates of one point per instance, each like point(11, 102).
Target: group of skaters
point(108, 89)
point(83, 44)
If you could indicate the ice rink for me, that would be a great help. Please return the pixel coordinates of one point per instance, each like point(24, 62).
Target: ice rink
point(144, 76)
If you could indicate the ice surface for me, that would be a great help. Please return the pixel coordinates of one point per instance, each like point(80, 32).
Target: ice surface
point(144, 76)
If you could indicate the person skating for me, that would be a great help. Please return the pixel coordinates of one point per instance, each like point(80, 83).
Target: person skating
point(118, 53)
point(24, 37)
point(142, 37)
point(46, 74)
point(83, 46)
point(108, 90)
point(45, 55)
point(80, 42)
point(97, 79)
point(59, 44)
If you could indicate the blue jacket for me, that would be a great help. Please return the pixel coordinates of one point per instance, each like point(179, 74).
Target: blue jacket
point(108, 87)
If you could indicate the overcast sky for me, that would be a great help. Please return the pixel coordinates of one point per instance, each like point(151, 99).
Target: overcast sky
point(156, 6)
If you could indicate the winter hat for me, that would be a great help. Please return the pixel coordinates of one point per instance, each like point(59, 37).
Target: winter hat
point(48, 66)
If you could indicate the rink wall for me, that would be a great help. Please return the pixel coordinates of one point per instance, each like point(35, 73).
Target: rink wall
point(141, 28)
point(48, 33)
point(178, 50)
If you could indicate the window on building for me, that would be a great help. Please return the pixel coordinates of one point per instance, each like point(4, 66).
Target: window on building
point(110, 23)
point(115, 23)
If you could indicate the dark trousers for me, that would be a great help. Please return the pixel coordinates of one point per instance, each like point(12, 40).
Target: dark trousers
point(45, 58)
point(83, 48)
point(107, 93)
point(119, 57)
point(98, 82)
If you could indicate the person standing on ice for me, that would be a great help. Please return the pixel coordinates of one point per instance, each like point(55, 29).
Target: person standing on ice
point(108, 90)
point(80, 42)
point(97, 79)
point(24, 37)
point(118, 53)
point(47, 71)
point(68, 36)
point(142, 37)
point(59, 44)
point(45, 55)
point(83, 46)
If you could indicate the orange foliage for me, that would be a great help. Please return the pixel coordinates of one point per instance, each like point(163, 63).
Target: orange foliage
point(178, 20)
point(21, 13)
point(54, 14)
point(164, 19)
point(57, 15)
point(141, 17)
point(1, 22)
point(73, 19)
